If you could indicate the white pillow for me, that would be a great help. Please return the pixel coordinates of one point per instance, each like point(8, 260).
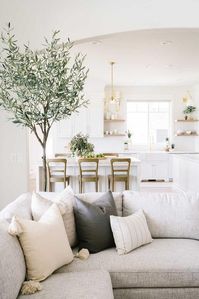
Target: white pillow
point(44, 243)
point(130, 232)
point(40, 205)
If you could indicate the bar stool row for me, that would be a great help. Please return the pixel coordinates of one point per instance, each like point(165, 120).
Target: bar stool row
point(88, 172)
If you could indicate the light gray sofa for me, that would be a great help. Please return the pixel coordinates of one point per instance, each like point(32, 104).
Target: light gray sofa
point(166, 268)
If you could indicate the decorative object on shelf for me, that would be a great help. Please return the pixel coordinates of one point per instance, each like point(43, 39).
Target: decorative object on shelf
point(188, 111)
point(126, 146)
point(129, 140)
point(80, 146)
point(38, 88)
point(167, 144)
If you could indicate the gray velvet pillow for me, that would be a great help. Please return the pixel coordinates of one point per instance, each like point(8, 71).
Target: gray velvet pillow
point(93, 223)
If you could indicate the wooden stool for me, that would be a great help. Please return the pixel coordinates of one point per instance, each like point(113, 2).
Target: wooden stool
point(88, 173)
point(120, 168)
point(57, 172)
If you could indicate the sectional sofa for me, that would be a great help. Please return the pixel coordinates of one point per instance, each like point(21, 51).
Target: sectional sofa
point(166, 268)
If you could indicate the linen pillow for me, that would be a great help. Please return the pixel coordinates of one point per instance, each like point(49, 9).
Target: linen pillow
point(44, 243)
point(93, 223)
point(130, 232)
point(65, 198)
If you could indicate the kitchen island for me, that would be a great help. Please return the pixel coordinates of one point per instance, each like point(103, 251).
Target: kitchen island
point(104, 171)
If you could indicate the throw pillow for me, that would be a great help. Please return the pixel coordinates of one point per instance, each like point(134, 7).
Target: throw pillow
point(65, 198)
point(130, 232)
point(44, 243)
point(93, 223)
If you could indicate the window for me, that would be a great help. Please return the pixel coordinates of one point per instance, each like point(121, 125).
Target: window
point(149, 122)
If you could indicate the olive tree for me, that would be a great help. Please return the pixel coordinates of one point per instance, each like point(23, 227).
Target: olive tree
point(39, 88)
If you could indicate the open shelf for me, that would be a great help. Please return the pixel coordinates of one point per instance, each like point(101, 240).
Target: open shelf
point(185, 134)
point(113, 135)
point(114, 120)
point(187, 121)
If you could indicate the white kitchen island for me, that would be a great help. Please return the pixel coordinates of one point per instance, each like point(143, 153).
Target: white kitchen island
point(104, 171)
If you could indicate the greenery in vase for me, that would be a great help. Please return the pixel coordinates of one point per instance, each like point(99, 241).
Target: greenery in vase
point(40, 88)
point(189, 109)
point(80, 146)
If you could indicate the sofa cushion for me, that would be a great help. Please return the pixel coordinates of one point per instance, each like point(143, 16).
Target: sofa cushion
point(84, 285)
point(40, 205)
point(169, 215)
point(20, 207)
point(130, 232)
point(12, 264)
point(93, 223)
point(162, 263)
point(45, 243)
point(93, 196)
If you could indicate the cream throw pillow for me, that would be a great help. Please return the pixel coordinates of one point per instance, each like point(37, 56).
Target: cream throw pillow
point(40, 205)
point(130, 232)
point(44, 243)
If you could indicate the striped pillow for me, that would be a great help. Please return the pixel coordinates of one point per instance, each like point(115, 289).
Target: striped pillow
point(130, 232)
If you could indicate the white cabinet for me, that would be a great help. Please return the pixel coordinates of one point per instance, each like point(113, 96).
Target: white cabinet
point(95, 119)
point(155, 166)
point(87, 121)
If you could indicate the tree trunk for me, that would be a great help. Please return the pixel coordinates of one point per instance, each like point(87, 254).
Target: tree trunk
point(44, 167)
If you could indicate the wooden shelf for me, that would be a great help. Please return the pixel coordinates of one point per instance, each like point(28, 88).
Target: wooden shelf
point(181, 135)
point(113, 120)
point(187, 121)
point(113, 135)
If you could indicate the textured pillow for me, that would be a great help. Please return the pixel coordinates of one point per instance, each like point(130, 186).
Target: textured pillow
point(93, 223)
point(44, 243)
point(12, 264)
point(130, 232)
point(40, 205)
point(20, 207)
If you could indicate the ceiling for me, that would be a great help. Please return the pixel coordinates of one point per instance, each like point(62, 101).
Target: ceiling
point(140, 57)
point(149, 57)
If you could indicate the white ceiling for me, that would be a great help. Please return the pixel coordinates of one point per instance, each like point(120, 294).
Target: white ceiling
point(141, 60)
point(34, 19)
point(150, 57)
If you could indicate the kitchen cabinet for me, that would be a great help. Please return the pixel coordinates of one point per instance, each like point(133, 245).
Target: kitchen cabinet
point(95, 119)
point(155, 166)
point(88, 121)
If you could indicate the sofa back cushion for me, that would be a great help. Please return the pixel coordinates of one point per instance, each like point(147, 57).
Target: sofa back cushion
point(20, 207)
point(169, 215)
point(12, 264)
point(91, 197)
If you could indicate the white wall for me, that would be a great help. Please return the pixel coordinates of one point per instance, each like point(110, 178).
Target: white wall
point(13, 160)
point(115, 144)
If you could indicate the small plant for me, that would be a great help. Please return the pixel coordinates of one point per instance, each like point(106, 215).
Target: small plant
point(80, 146)
point(128, 133)
point(189, 109)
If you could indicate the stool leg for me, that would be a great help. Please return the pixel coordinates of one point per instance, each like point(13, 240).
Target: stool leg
point(96, 185)
point(109, 184)
point(81, 187)
point(113, 185)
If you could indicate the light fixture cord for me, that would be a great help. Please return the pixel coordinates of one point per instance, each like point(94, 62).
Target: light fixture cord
point(112, 90)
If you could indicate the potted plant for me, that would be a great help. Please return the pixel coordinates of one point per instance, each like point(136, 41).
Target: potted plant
point(188, 111)
point(39, 88)
point(80, 146)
